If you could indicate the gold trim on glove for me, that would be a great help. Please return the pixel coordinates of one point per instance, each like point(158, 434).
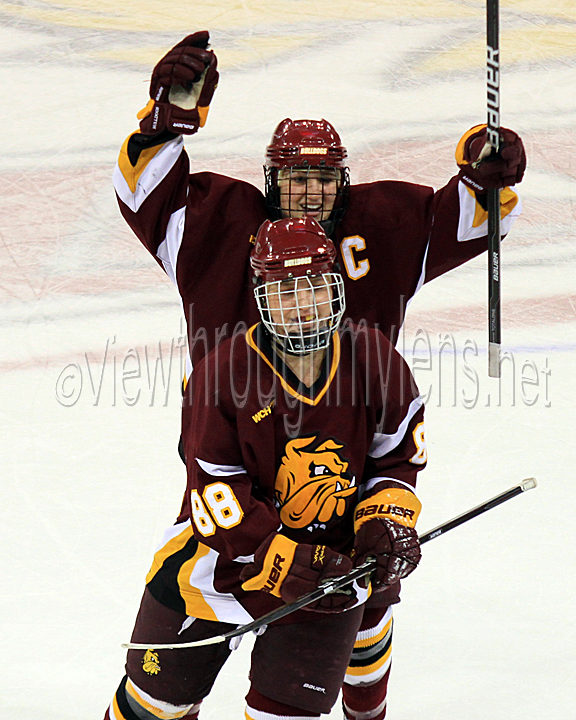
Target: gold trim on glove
point(401, 506)
point(277, 562)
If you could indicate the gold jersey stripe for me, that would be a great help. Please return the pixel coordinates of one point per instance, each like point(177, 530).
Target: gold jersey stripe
point(289, 389)
point(132, 173)
point(196, 605)
point(508, 201)
point(172, 546)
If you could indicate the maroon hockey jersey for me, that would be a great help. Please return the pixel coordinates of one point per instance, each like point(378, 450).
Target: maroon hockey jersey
point(267, 453)
point(394, 237)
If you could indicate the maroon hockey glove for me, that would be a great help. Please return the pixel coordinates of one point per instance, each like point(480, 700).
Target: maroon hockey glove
point(394, 546)
point(384, 527)
point(289, 570)
point(501, 170)
point(181, 89)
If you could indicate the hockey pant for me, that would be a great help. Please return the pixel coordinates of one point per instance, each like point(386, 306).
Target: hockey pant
point(169, 685)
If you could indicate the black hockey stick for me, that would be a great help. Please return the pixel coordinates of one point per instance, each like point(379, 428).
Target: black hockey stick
point(493, 197)
point(336, 584)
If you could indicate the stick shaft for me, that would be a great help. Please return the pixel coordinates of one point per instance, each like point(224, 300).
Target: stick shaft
point(493, 197)
point(525, 485)
point(339, 583)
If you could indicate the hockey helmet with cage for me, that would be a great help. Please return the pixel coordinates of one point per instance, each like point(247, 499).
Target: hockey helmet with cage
point(306, 145)
point(299, 293)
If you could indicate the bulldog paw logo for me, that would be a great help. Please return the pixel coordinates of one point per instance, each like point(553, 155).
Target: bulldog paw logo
point(312, 483)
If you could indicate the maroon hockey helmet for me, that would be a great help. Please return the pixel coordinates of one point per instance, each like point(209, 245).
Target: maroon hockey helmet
point(289, 248)
point(299, 146)
point(305, 142)
point(302, 315)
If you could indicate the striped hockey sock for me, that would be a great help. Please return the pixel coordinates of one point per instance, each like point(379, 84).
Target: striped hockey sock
point(366, 681)
point(132, 703)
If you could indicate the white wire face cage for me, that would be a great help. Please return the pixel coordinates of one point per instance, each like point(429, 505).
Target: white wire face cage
point(302, 313)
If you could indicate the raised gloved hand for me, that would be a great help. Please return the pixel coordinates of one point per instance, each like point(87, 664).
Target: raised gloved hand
point(501, 170)
point(289, 570)
point(181, 89)
point(384, 528)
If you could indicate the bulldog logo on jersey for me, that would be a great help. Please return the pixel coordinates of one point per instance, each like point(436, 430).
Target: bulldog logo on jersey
point(312, 483)
point(151, 663)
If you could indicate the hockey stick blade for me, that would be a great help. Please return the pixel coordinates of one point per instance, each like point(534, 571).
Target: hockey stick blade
point(336, 584)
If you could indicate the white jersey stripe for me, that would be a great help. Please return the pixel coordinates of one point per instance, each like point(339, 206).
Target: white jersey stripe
point(382, 443)
point(154, 173)
point(466, 229)
point(375, 480)
point(170, 247)
point(172, 532)
point(197, 588)
point(422, 274)
point(220, 470)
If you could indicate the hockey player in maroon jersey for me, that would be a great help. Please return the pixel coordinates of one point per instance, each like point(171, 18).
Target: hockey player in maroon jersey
point(391, 237)
point(303, 438)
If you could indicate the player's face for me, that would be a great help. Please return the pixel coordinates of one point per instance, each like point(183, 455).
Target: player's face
point(309, 192)
point(301, 305)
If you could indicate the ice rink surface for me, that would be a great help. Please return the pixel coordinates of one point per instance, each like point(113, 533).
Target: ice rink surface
point(89, 472)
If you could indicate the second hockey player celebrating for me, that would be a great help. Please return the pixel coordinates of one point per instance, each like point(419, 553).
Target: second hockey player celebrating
point(303, 441)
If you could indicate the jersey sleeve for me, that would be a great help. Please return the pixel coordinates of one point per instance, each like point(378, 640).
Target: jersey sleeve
point(185, 220)
point(398, 448)
point(459, 226)
point(151, 184)
point(228, 514)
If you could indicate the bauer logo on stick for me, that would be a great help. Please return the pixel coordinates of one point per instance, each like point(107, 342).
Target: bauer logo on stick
point(493, 96)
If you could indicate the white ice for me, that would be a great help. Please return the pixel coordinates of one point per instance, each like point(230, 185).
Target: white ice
point(89, 471)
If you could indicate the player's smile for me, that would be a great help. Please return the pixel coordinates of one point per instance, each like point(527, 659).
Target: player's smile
point(308, 192)
point(301, 304)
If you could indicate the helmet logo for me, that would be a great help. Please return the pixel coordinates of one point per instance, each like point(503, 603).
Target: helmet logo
point(298, 261)
point(313, 151)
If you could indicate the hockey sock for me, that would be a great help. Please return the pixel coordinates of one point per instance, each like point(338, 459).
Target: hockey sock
point(260, 707)
point(132, 703)
point(366, 681)
point(365, 702)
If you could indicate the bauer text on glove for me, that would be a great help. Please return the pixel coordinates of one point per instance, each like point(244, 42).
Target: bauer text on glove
point(289, 570)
